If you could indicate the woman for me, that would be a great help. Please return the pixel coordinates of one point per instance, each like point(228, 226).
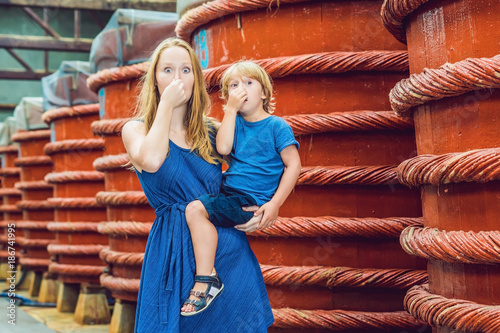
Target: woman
point(171, 148)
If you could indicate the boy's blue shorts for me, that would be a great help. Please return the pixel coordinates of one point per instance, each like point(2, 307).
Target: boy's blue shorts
point(224, 209)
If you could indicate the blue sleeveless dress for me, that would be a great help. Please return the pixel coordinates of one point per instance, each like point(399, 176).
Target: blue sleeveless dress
point(169, 267)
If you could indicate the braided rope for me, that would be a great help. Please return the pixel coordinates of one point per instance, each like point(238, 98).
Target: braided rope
point(67, 146)
point(31, 135)
point(342, 277)
point(469, 247)
point(9, 149)
point(32, 225)
point(74, 176)
point(111, 162)
point(10, 191)
point(75, 250)
point(76, 203)
point(10, 171)
point(34, 205)
point(339, 320)
point(480, 165)
point(125, 228)
point(72, 111)
point(319, 63)
point(123, 198)
point(460, 315)
point(108, 126)
point(341, 175)
point(5, 224)
point(33, 185)
point(117, 283)
point(72, 226)
point(9, 209)
point(299, 226)
point(121, 258)
point(83, 270)
point(34, 243)
point(347, 121)
point(33, 161)
point(446, 81)
point(34, 262)
point(116, 74)
point(394, 13)
point(212, 10)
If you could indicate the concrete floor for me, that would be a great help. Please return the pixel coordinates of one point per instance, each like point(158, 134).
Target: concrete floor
point(42, 320)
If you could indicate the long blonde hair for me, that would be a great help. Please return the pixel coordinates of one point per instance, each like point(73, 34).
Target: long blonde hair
point(199, 125)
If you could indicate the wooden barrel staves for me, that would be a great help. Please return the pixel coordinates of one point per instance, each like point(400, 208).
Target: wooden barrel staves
point(32, 232)
point(332, 260)
point(451, 93)
point(11, 214)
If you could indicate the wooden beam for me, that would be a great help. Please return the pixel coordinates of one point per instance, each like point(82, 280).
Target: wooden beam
point(6, 106)
point(45, 43)
point(20, 75)
point(44, 25)
point(19, 60)
point(110, 5)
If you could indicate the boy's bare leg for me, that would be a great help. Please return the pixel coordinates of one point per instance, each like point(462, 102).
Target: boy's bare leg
point(204, 237)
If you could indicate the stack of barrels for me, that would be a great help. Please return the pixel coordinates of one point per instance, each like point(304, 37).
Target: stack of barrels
point(333, 259)
point(75, 255)
point(451, 94)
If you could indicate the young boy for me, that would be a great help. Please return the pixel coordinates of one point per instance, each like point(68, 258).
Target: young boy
point(264, 165)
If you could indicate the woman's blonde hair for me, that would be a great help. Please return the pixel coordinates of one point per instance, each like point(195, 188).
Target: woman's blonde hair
point(251, 70)
point(199, 125)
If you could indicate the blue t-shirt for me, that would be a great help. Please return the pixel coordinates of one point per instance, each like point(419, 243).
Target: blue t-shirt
point(255, 167)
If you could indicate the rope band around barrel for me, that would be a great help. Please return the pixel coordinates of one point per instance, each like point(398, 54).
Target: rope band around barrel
point(34, 243)
point(10, 191)
point(322, 63)
point(340, 320)
point(457, 314)
point(83, 270)
point(34, 262)
point(34, 205)
point(479, 165)
point(446, 81)
point(116, 74)
point(121, 258)
point(12, 149)
point(108, 126)
point(74, 176)
point(32, 225)
point(125, 229)
point(324, 226)
point(78, 145)
point(343, 175)
point(69, 112)
point(117, 283)
point(124, 198)
point(9, 209)
point(342, 277)
point(347, 121)
point(394, 13)
point(31, 135)
point(10, 171)
point(469, 247)
point(75, 250)
point(111, 162)
point(70, 227)
point(33, 161)
point(74, 203)
point(33, 185)
point(215, 9)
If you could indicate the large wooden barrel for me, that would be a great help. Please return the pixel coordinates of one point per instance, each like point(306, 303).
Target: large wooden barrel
point(333, 259)
point(454, 60)
point(37, 212)
point(73, 148)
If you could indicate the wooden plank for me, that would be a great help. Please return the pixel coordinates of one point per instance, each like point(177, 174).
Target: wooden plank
point(6, 106)
point(111, 5)
point(22, 75)
point(44, 25)
point(45, 43)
